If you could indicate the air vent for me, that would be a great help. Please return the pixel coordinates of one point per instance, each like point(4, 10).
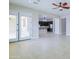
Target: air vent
point(34, 1)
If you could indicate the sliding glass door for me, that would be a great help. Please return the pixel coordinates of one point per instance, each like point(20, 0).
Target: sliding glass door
point(13, 17)
point(19, 26)
point(25, 27)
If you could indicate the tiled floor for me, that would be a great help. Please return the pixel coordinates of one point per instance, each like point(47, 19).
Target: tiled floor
point(48, 46)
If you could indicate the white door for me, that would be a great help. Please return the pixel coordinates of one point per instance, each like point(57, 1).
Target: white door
point(13, 34)
point(25, 26)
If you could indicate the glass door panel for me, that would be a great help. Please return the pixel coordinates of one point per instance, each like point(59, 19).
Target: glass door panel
point(12, 27)
point(24, 32)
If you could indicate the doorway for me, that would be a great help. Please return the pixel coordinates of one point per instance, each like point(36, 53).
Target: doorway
point(45, 25)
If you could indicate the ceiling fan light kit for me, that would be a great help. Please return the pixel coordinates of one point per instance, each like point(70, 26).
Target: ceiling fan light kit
point(65, 3)
point(61, 9)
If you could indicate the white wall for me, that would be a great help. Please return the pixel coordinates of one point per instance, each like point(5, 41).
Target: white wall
point(57, 25)
point(68, 25)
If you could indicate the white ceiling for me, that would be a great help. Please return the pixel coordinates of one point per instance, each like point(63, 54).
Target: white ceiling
point(43, 5)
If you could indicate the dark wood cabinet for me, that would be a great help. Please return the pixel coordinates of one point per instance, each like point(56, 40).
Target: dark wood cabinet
point(47, 23)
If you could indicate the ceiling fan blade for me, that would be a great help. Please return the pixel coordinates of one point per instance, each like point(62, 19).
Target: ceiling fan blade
point(64, 4)
point(66, 7)
point(55, 4)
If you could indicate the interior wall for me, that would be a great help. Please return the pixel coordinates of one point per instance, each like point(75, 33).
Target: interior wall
point(68, 25)
point(57, 25)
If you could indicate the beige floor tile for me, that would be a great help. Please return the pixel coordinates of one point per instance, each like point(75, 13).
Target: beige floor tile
point(48, 46)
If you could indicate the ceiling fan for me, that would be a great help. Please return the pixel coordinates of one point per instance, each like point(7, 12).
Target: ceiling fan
point(61, 6)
